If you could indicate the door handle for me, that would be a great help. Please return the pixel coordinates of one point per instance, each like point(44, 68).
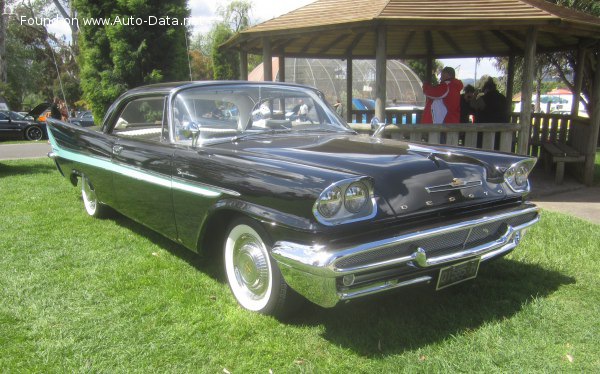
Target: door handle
point(117, 149)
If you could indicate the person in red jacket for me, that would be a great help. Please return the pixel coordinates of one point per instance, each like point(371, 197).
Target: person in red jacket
point(443, 101)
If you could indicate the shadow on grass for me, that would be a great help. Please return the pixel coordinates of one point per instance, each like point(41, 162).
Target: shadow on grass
point(413, 318)
point(8, 169)
point(408, 319)
point(207, 265)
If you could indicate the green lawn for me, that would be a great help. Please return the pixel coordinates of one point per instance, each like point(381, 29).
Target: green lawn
point(87, 295)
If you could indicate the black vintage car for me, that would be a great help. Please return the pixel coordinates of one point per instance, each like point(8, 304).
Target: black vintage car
point(295, 206)
point(16, 126)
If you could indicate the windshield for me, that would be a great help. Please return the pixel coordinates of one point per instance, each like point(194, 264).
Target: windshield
point(225, 112)
point(16, 116)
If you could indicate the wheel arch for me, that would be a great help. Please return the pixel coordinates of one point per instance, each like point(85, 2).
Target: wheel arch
point(225, 211)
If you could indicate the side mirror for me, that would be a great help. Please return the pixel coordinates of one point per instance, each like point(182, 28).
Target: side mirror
point(195, 135)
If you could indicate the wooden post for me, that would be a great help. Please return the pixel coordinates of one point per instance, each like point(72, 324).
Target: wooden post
point(380, 73)
point(527, 90)
point(349, 88)
point(267, 62)
point(429, 59)
point(581, 52)
point(243, 65)
point(281, 68)
point(594, 128)
point(510, 83)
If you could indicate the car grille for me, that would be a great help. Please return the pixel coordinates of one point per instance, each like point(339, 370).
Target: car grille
point(441, 244)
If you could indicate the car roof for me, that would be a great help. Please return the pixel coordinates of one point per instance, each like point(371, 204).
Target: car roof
point(165, 88)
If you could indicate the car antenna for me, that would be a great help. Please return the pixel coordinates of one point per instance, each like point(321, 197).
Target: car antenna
point(59, 78)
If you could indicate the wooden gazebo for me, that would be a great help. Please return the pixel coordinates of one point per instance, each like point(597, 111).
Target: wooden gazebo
point(431, 29)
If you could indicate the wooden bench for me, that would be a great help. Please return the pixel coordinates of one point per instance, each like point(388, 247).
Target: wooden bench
point(559, 153)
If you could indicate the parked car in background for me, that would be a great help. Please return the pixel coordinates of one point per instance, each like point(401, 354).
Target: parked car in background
point(304, 207)
point(14, 125)
point(83, 119)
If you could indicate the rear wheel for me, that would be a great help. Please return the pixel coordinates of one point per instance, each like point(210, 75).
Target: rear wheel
point(253, 277)
point(92, 206)
point(34, 133)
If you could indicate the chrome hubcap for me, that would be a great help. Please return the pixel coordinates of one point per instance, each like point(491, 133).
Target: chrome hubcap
point(250, 266)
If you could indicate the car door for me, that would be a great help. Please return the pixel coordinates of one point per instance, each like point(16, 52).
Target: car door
point(143, 162)
point(8, 128)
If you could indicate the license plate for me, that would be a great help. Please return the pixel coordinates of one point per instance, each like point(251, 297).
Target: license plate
point(457, 273)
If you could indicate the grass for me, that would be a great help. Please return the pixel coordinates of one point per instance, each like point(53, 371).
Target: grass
point(87, 295)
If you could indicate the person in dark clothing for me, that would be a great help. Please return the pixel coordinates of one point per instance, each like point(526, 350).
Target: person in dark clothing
point(492, 106)
point(466, 104)
point(55, 110)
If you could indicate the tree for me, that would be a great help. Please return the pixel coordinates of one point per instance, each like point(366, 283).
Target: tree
point(562, 64)
point(3, 71)
point(125, 54)
point(236, 14)
point(236, 17)
point(34, 58)
point(225, 63)
point(420, 68)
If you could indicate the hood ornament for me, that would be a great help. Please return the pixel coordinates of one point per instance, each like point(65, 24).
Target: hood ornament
point(456, 184)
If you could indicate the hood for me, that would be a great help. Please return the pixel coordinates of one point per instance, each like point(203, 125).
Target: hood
point(38, 110)
point(408, 178)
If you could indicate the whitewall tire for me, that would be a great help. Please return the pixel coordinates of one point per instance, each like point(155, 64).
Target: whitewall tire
point(253, 276)
point(90, 201)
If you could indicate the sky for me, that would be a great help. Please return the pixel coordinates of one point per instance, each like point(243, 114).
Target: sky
point(204, 14)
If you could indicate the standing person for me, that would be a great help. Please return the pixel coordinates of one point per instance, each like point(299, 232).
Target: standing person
point(303, 111)
point(467, 100)
point(443, 100)
point(492, 106)
point(339, 108)
point(64, 113)
point(55, 109)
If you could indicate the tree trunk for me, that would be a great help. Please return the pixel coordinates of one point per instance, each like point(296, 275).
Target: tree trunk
point(3, 20)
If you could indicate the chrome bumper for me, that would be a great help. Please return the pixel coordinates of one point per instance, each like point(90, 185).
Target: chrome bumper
point(327, 276)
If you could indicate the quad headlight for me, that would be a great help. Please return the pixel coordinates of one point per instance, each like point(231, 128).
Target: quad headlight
point(346, 201)
point(330, 202)
point(516, 176)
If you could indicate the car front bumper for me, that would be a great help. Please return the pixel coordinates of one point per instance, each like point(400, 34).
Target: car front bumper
point(327, 276)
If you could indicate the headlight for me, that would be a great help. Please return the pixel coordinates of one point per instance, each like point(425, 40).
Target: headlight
point(356, 197)
point(516, 175)
point(346, 201)
point(330, 202)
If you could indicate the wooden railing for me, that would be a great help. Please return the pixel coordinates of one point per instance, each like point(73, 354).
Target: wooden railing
point(493, 136)
point(544, 128)
point(548, 127)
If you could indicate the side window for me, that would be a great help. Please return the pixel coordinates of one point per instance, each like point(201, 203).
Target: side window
point(141, 119)
point(212, 114)
point(3, 116)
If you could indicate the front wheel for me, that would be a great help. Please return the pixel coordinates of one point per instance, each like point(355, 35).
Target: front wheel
point(253, 277)
point(92, 206)
point(34, 133)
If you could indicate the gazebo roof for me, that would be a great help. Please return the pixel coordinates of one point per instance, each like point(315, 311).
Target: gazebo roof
point(418, 28)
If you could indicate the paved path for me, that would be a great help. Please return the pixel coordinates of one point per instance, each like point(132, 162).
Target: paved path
point(24, 150)
point(583, 203)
